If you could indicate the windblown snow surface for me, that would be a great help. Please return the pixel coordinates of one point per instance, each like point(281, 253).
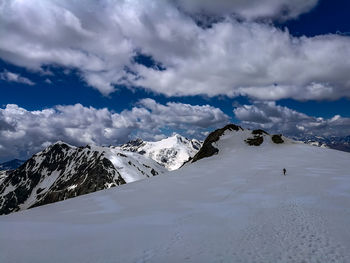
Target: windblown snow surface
point(233, 207)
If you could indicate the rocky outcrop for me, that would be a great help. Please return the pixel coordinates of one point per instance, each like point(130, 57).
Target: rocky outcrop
point(62, 171)
point(259, 132)
point(248, 137)
point(277, 138)
point(257, 140)
point(208, 149)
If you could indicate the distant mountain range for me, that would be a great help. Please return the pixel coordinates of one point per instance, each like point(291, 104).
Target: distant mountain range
point(337, 143)
point(62, 171)
point(11, 165)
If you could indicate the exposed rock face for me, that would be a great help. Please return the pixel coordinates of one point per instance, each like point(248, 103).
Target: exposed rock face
point(62, 171)
point(208, 149)
point(259, 135)
point(277, 138)
point(255, 141)
point(133, 146)
point(3, 175)
point(249, 138)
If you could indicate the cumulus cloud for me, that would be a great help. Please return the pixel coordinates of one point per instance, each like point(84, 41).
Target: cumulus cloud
point(278, 119)
point(13, 77)
point(24, 132)
point(258, 61)
point(102, 38)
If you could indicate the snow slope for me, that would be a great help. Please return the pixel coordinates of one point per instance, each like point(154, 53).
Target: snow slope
point(235, 206)
point(63, 171)
point(171, 152)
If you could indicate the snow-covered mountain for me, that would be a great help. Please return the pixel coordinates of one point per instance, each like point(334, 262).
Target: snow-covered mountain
point(332, 142)
point(231, 206)
point(63, 171)
point(242, 137)
point(171, 152)
point(11, 165)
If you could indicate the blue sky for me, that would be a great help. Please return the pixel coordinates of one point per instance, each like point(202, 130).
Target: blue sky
point(105, 72)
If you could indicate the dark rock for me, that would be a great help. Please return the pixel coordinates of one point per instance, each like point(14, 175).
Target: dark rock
point(255, 141)
point(277, 138)
point(39, 190)
point(133, 146)
point(207, 148)
point(195, 146)
point(91, 172)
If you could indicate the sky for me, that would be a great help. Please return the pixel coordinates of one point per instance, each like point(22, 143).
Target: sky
point(104, 72)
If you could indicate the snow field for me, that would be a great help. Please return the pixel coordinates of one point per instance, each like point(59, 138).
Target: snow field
point(233, 207)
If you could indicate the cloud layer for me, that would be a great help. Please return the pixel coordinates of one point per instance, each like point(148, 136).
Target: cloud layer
point(13, 77)
point(278, 119)
point(250, 9)
point(24, 132)
point(101, 39)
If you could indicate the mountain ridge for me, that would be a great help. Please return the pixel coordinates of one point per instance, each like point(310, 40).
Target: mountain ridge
point(170, 152)
point(234, 206)
point(332, 142)
point(62, 171)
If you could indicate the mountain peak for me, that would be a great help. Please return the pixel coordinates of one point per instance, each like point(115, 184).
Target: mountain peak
point(62, 171)
point(208, 149)
point(56, 147)
point(178, 136)
point(170, 152)
point(62, 143)
point(132, 146)
point(236, 137)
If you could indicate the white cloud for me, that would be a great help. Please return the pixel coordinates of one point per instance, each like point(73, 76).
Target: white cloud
point(259, 61)
point(100, 39)
point(250, 9)
point(13, 77)
point(278, 119)
point(24, 132)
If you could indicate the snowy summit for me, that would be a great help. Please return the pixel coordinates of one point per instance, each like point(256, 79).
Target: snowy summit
point(171, 152)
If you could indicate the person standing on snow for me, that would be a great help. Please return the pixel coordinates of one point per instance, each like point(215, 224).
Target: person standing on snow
point(284, 171)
